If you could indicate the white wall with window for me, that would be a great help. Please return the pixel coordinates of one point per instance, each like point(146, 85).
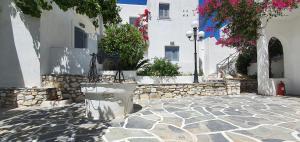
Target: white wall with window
point(32, 46)
point(67, 40)
point(129, 12)
point(169, 22)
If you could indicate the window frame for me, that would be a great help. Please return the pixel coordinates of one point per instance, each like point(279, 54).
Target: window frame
point(174, 49)
point(164, 15)
point(132, 17)
point(85, 38)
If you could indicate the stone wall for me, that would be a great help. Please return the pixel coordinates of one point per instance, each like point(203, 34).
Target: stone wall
point(12, 97)
point(158, 91)
point(249, 86)
point(68, 85)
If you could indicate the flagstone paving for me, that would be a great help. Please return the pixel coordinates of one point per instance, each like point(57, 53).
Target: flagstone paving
point(244, 118)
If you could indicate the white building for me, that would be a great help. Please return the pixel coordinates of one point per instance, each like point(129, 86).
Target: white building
point(169, 22)
point(287, 68)
point(31, 47)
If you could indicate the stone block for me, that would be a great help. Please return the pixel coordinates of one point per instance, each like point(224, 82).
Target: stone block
point(28, 97)
point(191, 92)
point(147, 90)
point(144, 97)
point(66, 96)
point(66, 86)
point(3, 94)
point(154, 96)
point(27, 103)
point(34, 93)
point(168, 95)
point(20, 97)
point(75, 84)
point(153, 90)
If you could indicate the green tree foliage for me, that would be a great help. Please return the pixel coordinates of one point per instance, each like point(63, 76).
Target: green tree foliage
point(125, 41)
point(160, 67)
point(91, 8)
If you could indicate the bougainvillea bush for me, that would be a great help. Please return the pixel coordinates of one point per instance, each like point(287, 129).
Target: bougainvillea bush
point(142, 24)
point(243, 18)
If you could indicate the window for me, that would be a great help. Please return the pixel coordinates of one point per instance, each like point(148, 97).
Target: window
point(164, 9)
point(80, 38)
point(172, 53)
point(132, 20)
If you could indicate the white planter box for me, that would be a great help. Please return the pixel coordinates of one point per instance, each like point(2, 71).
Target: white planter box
point(166, 79)
point(127, 74)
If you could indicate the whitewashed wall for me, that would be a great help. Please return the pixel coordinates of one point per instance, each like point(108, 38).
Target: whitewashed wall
point(252, 69)
point(285, 29)
point(214, 54)
point(26, 45)
point(162, 32)
point(130, 10)
point(57, 42)
point(20, 42)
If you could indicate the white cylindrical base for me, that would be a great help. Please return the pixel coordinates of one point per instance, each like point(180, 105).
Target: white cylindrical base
point(109, 101)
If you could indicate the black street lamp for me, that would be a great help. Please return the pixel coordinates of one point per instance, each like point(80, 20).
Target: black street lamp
point(197, 36)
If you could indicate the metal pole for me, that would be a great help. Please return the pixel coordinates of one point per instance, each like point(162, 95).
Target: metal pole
point(195, 72)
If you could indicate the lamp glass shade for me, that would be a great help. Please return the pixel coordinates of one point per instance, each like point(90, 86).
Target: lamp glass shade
point(201, 34)
point(189, 34)
point(195, 24)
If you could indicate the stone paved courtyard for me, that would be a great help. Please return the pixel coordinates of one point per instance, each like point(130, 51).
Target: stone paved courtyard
point(245, 118)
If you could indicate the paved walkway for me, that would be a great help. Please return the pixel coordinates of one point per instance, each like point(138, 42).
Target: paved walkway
point(246, 118)
point(59, 124)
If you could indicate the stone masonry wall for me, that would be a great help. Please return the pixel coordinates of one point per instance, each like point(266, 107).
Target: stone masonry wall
point(12, 97)
point(68, 85)
point(249, 86)
point(159, 91)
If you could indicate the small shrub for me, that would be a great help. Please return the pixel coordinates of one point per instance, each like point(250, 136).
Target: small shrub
point(109, 64)
point(244, 60)
point(160, 67)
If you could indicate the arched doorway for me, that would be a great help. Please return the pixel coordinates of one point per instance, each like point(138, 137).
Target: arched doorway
point(276, 58)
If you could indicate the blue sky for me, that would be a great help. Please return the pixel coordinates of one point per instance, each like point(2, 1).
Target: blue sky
point(206, 24)
point(137, 2)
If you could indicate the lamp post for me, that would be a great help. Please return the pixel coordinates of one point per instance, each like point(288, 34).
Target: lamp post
point(197, 36)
